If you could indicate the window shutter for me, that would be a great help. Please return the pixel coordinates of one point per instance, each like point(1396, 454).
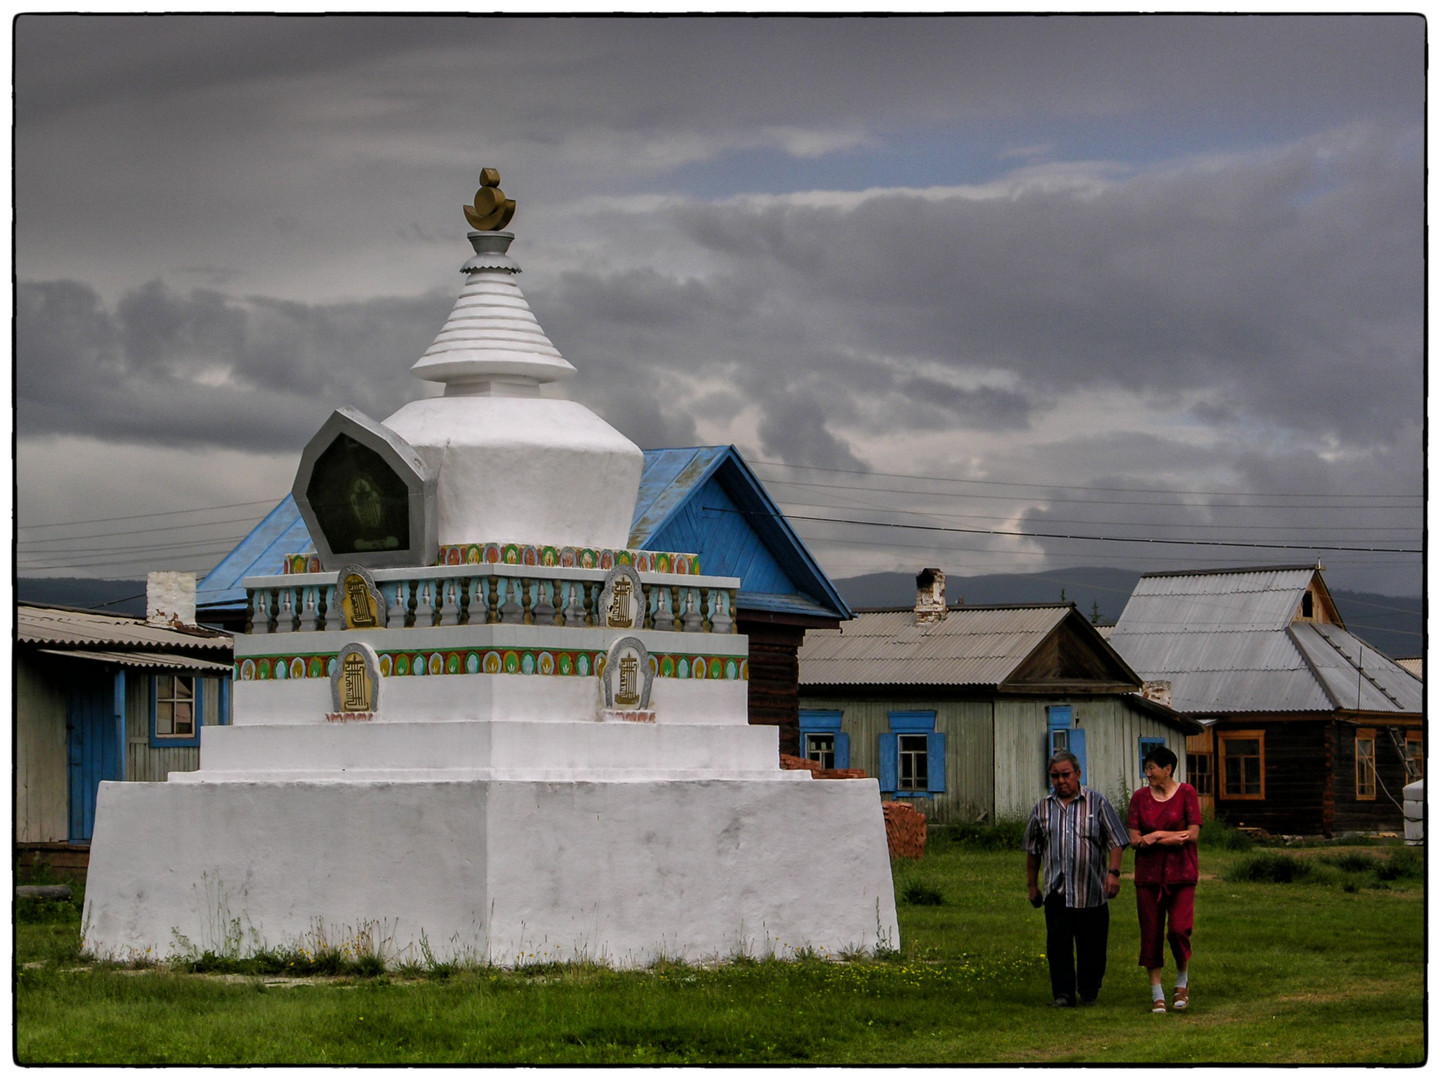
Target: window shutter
point(889, 762)
point(1077, 747)
point(937, 763)
point(842, 750)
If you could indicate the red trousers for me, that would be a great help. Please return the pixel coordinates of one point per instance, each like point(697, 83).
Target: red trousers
point(1154, 903)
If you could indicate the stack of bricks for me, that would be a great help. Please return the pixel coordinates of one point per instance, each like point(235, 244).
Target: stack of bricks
point(904, 825)
point(904, 830)
point(789, 761)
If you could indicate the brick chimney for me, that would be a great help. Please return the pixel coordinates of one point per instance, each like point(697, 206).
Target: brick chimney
point(170, 598)
point(929, 596)
point(1157, 690)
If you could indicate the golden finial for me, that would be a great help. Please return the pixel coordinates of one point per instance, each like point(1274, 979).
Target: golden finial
point(492, 210)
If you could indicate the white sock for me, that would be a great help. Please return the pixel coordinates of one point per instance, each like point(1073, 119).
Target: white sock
point(1157, 992)
point(1182, 980)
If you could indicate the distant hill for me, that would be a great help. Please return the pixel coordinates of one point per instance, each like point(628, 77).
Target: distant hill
point(1393, 624)
point(99, 594)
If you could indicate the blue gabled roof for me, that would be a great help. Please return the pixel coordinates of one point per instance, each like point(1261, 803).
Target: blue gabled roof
point(281, 533)
point(701, 499)
point(705, 499)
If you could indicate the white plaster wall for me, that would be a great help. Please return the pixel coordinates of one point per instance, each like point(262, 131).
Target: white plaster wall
point(517, 468)
point(528, 698)
point(509, 749)
point(497, 871)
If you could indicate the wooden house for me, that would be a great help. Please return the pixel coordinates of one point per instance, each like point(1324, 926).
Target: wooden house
point(104, 697)
point(700, 500)
point(1308, 730)
point(957, 709)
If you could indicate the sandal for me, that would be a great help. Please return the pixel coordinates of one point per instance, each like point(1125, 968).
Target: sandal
point(1182, 998)
point(1159, 1005)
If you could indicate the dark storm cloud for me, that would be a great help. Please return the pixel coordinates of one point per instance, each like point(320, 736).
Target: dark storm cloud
point(171, 369)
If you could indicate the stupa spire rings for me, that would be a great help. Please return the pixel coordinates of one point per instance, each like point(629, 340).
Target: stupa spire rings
point(492, 210)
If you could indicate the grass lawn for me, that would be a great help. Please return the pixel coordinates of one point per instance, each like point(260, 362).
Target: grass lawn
point(1328, 969)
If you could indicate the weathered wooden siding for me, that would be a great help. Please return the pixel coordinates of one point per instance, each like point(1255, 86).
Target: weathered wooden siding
point(969, 748)
point(1113, 729)
point(147, 763)
point(41, 800)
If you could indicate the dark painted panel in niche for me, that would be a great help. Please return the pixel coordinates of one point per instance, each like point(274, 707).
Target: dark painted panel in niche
point(360, 502)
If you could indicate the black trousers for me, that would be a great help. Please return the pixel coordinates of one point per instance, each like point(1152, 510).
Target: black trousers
point(1075, 943)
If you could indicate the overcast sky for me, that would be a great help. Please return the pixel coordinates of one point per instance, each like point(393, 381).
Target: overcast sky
point(1123, 277)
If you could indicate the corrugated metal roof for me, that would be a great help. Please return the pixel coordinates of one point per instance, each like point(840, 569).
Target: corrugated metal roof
point(1230, 642)
point(1356, 675)
point(1235, 600)
point(1413, 664)
point(142, 659)
point(63, 626)
point(970, 647)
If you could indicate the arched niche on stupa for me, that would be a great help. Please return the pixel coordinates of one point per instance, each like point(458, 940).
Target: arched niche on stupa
point(366, 495)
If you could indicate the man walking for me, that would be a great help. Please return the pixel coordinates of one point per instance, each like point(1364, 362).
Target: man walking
point(1080, 839)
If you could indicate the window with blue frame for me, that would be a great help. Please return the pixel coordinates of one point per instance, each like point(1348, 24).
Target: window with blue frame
point(912, 756)
point(1146, 743)
point(177, 709)
point(822, 740)
point(1062, 734)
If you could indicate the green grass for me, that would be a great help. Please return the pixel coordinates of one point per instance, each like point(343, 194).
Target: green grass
point(1309, 972)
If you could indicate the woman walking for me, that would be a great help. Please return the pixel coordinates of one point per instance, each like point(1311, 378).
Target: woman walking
point(1164, 823)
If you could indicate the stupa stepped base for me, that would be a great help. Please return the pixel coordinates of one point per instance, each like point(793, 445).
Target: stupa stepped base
point(502, 749)
point(502, 872)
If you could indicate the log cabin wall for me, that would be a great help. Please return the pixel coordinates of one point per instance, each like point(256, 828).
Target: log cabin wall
point(774, 690)
point(1352, 810)
point(1298, 766)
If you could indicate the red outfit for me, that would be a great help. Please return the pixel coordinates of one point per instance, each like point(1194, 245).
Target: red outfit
point(1165, 876)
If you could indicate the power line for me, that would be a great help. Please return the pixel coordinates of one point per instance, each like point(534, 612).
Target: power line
point(155, 514)
point(1073, 536)
point(1073, 487)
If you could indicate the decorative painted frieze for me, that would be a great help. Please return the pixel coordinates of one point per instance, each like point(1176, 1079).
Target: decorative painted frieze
point(549, 598)
point(582, 663)
point(511, 554)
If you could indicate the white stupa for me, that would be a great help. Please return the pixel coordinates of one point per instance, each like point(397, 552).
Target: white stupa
point(473, 725)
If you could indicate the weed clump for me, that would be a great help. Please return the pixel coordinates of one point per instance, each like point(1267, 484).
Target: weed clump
point(1271, 868)
point(922, 894)
point(1003, 834)
point(1216, 834)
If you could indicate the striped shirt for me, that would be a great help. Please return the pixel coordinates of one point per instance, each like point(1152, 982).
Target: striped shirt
point(1074, 843)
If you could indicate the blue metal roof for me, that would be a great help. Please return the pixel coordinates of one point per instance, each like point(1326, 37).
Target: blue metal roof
point(703, 499)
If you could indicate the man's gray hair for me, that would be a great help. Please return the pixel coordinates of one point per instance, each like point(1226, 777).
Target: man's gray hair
point(1065, 755)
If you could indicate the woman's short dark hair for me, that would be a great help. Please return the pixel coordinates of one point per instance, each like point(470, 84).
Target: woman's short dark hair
point(1162, 756)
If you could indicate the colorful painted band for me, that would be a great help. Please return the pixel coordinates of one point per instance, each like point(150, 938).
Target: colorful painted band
point(582, 663)
point(661, 562)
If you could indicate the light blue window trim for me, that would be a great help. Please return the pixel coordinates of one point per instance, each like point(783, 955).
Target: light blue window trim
point(1062, 734)
point(825, 723)
point(1146, 742)
point(198, 685)
point(912, 723)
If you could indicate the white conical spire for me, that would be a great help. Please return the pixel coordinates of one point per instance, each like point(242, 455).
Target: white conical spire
point(491, 336)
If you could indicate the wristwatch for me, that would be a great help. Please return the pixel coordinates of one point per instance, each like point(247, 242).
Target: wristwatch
point(1115, 872)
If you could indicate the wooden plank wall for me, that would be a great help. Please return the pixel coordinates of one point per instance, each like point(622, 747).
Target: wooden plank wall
point(41, 784)
point(1113, 729)
point(1299, 758)
point(969, 748)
